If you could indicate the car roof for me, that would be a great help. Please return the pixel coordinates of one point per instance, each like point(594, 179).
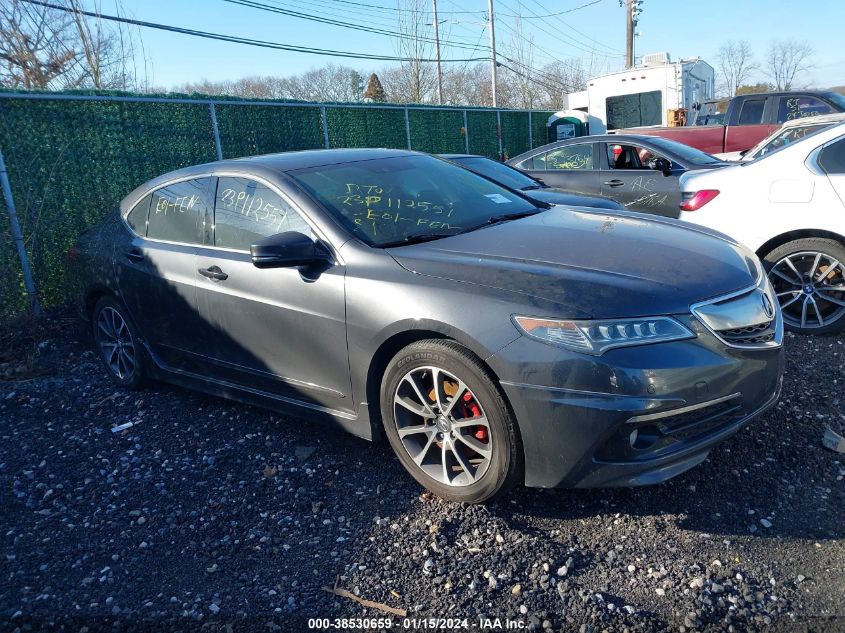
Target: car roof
point(279, 163)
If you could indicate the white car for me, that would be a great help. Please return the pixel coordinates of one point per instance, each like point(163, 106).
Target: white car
point(787, 133)
point(789, 207)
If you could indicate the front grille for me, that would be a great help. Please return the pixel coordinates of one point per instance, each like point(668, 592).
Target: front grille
point(750, 334)
point(748, 318)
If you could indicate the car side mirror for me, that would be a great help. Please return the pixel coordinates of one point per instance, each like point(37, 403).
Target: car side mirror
point(662, 165)
point(288, 250)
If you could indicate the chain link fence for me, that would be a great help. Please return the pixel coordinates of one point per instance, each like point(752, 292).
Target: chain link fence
point(71, 157)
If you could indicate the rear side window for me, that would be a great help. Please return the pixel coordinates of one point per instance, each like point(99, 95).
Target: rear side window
point(751, 112)
point(137, 217)
point(832, 158)
point(792, 108)
point(569, 157)
point(177, 212)
point(246, 211)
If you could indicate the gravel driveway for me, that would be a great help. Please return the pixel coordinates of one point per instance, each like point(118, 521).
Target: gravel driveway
point(211, 512)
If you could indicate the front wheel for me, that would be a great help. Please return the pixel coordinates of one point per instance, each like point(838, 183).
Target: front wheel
point(808, 276)
point(449, 424)
point(117, 344)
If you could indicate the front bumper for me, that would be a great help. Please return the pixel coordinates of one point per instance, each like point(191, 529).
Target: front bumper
point(578, 415)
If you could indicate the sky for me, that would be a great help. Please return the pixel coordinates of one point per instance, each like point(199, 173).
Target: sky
point(595, 33)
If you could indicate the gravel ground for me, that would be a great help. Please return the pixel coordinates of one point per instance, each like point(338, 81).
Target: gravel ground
point(211, 514)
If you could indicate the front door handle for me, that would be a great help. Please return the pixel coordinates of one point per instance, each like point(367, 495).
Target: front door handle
point(213, 272)
point(135, 255)
point(614, 183)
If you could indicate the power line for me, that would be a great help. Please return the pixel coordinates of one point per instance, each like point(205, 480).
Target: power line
point(344, 24)
point(572, 41)
point(242, 40)
point(551, 15)
point(572, 28)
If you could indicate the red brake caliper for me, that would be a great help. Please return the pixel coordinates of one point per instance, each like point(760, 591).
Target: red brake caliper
point(472, 410)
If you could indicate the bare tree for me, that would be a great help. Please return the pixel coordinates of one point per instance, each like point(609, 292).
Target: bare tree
point(33, 53)
point(735, 61)
point(786, 60)
point(49, 48)
point(520, 54)
point(560, 78)
point(415, 79)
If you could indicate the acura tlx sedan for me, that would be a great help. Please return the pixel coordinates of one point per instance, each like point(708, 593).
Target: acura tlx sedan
point(493, 339)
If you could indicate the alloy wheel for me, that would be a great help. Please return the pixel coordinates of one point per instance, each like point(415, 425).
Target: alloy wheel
point(117, 347)
point(442, 426)
point(810, 287)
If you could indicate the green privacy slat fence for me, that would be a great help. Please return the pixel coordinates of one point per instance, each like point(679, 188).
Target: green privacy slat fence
point(71, 157)
point(363, 127)
point(247, 130)
point(437, 131)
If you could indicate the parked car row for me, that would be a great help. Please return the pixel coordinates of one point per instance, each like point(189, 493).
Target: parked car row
point(492, 337)
point(784, 200)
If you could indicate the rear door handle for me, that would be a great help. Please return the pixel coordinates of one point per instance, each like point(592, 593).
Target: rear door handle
point(135, 255)
point(213, 272)
point(614, 183)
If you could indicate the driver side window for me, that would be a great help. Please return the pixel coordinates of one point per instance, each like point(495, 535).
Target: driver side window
point(630, 156)
point(246, 211)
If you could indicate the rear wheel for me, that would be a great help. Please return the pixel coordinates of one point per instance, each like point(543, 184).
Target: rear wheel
point(448, 423)
point(117, 344)
point(808, 276)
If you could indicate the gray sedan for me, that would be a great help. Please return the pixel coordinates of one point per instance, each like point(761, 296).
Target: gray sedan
point(494, 340)
point(639, 172)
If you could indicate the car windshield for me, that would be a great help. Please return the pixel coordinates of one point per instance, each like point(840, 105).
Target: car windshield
point(837, 99)
point(687, 154)
point(387, 201)
point(785, 137)
point(501, 173)
point(711, 113)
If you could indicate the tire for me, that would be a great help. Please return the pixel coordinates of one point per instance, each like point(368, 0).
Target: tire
point(456, 459)
point(813, 306)
point(117, 344)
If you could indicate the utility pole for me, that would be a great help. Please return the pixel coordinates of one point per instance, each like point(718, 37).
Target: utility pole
point(492, 52)
point(629, 33)
point(633, 8)
point(437, 49)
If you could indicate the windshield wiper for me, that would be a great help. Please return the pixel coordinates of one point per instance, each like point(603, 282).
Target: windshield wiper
point(532, 187)
point(415, 239)
point(506, 217)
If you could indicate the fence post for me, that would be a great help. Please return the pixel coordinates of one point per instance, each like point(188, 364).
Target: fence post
point(407, 128)
point(325, 124)
point(530, 132)
point(499, 131)
point(466, 132)
point(28, 282)
point(216, 131)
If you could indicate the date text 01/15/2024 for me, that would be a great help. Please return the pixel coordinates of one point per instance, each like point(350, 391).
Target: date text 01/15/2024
point(416, 624)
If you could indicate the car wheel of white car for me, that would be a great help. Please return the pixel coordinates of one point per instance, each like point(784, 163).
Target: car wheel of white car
point(808, 276)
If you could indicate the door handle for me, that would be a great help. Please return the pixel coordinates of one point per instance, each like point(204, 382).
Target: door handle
point(213, 272)
point(614, 183)
point(135, 255)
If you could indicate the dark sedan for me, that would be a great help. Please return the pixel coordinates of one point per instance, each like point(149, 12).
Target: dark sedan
point(535, 189)
point(492, 339)
point(639, 172)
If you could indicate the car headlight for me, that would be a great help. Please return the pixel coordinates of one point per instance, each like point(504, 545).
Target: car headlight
point(598, 336)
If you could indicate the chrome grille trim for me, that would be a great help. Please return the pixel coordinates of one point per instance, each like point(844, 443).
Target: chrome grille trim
point(746, 326)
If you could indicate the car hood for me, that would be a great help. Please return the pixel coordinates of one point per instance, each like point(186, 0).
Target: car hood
point(591, 264)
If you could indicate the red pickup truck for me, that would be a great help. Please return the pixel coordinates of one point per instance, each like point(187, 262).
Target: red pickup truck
point(740, 123)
